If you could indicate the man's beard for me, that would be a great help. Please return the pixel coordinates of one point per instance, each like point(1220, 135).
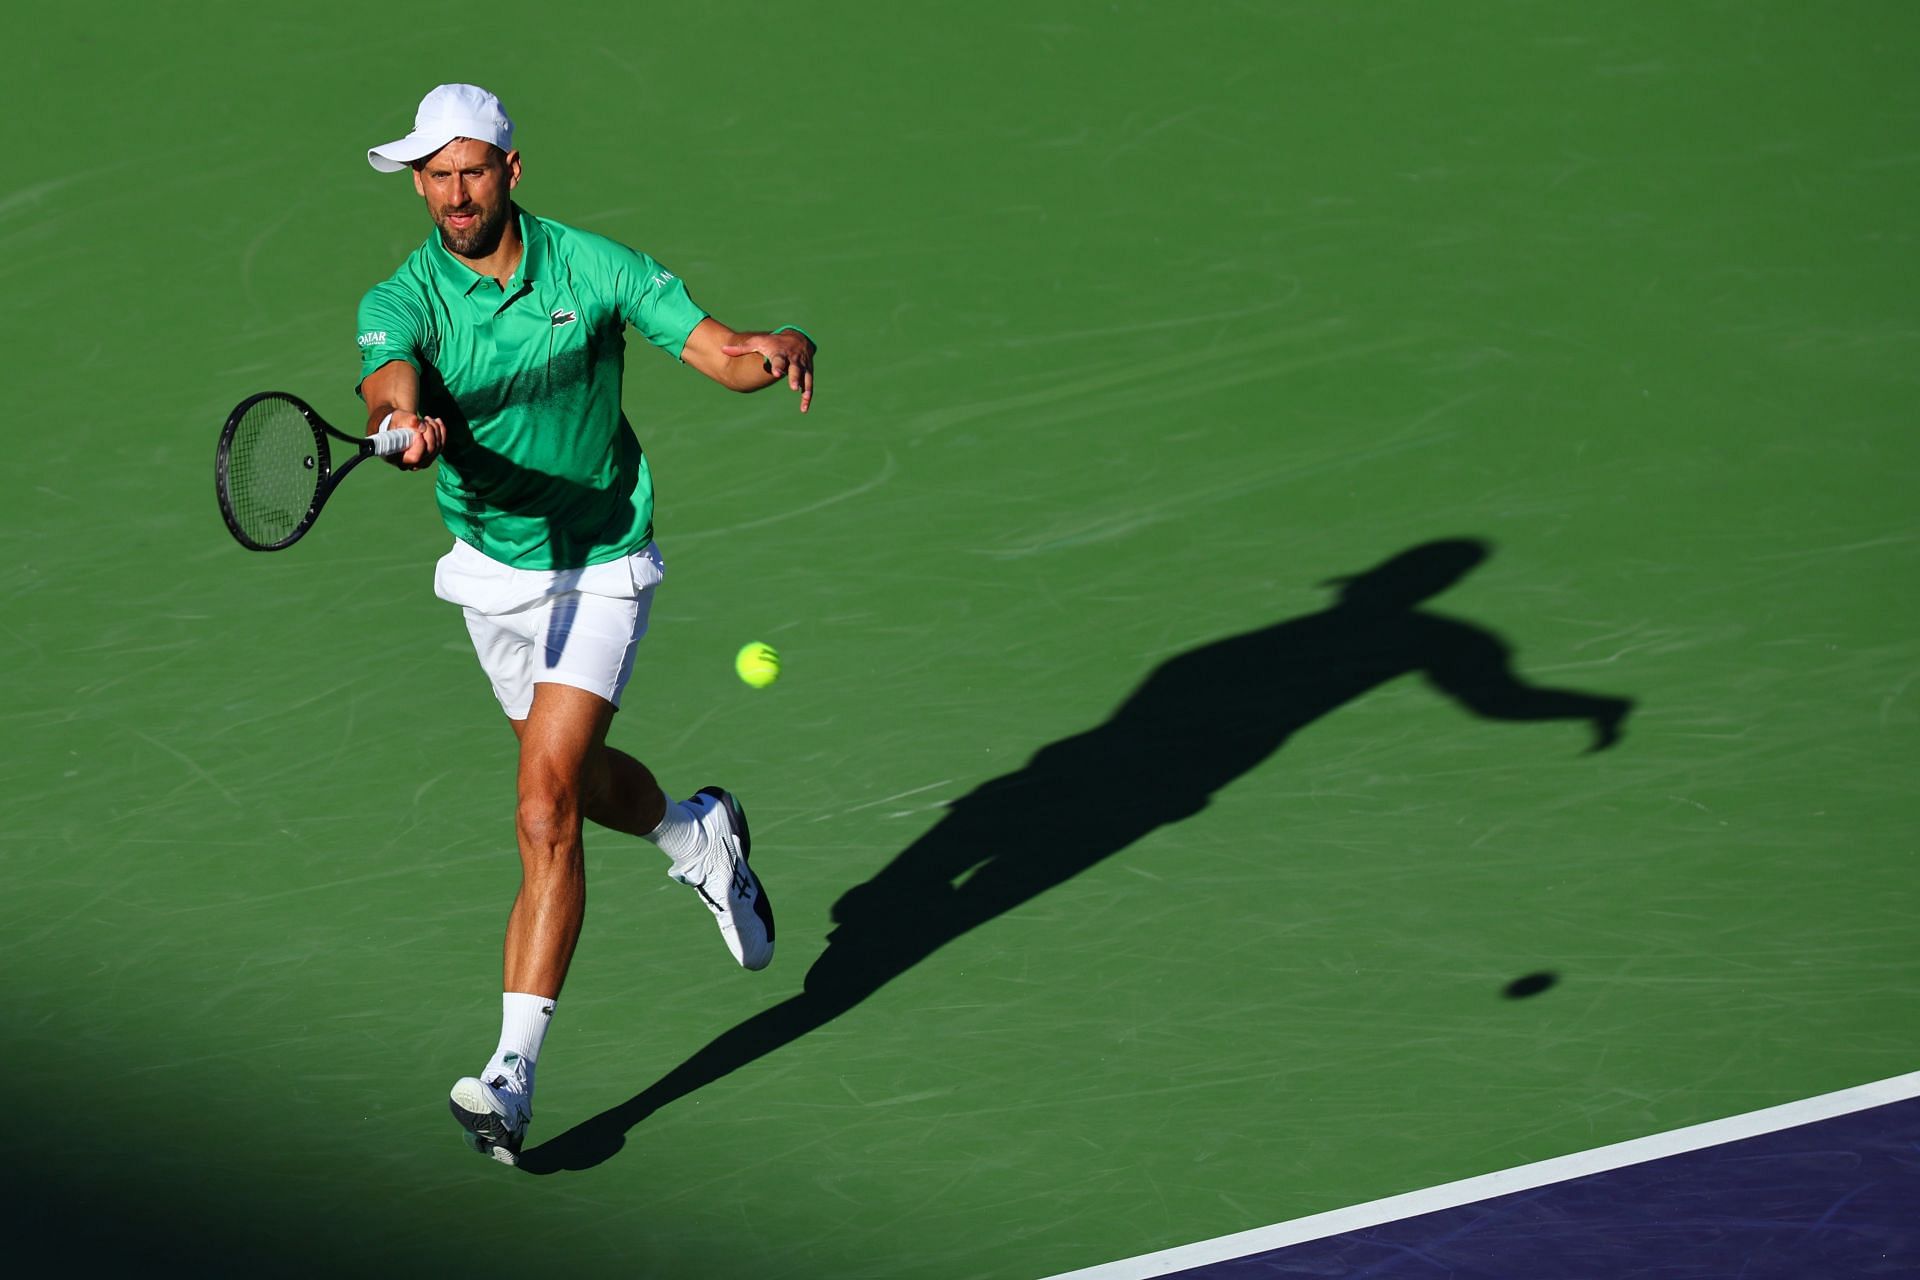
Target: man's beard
point(480, 239)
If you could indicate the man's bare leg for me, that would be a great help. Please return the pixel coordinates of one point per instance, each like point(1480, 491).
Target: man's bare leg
point(622, 794)
point(562, 761)
point(562, 745)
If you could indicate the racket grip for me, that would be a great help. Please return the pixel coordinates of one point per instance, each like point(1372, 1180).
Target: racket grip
point(392, 441)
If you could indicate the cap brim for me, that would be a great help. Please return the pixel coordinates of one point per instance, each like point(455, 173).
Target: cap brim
point(394, 156)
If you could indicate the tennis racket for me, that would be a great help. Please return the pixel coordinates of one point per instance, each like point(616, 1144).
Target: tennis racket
point(272, 472)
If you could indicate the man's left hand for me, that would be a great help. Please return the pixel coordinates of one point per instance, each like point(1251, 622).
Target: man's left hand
point(786, 355)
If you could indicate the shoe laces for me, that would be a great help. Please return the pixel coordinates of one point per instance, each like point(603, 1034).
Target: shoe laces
point(511, 1089)
point(714, 860)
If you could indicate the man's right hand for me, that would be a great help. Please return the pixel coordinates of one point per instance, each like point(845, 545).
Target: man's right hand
point(393, 384)
point(429, 437)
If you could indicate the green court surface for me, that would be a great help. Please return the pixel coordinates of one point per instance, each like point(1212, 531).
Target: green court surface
point(1185, 899)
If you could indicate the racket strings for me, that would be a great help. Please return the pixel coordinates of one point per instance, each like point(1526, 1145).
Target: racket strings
point(274, 468)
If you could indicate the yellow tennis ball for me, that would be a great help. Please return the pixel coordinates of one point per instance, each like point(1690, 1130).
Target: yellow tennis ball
point(757, 664)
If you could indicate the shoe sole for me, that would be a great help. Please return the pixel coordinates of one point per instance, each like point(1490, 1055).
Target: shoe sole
point(484, 1130)
point(761, 906)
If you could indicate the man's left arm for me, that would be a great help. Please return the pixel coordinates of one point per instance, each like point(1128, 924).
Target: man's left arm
point(1475, 669)
point(752, 361)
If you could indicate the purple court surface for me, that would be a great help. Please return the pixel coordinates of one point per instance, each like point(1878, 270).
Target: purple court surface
point(1824, 1188)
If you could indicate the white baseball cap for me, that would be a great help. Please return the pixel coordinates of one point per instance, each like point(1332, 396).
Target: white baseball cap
point(450, 111)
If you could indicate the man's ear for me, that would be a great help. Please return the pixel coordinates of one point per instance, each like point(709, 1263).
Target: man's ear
point(513, 169)
point(418, 185)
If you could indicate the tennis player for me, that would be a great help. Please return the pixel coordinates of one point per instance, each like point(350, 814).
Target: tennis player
point(501, 343)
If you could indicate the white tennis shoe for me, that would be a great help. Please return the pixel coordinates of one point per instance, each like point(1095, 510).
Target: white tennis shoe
point(724, 881)
point(494, 1114)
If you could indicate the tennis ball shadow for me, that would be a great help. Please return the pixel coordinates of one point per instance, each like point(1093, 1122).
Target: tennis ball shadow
point(1531, 985)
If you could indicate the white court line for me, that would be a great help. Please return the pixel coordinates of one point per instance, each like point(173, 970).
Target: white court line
point(1524, 1178)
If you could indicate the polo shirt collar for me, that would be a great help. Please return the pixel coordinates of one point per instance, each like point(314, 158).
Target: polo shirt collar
point(533, 256)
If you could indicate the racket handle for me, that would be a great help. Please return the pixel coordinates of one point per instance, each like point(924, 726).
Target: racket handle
point(391, 441)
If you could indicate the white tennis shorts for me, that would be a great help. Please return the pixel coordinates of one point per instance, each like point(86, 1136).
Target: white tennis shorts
point(562, 626)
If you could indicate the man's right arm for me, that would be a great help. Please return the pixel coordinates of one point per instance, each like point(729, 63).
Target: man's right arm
point(394, 388)
point(395, 336)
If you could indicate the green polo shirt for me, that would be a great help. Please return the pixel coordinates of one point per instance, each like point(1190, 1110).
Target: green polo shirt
point(541, 469)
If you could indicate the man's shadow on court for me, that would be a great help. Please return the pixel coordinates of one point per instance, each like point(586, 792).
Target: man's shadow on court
point(1199, 721)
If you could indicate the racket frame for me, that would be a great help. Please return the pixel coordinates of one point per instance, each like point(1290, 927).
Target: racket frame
point(383, 443)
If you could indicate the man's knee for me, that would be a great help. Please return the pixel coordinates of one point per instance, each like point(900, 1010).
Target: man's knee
point(560, 746)
point(549, 814)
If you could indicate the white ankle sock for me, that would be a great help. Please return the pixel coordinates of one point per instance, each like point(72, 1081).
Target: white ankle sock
point(523, 1028)
point(678, 834)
